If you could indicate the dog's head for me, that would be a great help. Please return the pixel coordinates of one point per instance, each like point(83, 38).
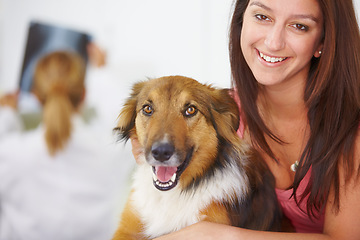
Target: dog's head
point(179, 123)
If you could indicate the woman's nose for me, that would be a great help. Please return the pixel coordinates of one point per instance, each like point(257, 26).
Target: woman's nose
point(275, 38)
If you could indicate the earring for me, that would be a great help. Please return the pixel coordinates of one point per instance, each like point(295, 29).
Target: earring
point(320, 52)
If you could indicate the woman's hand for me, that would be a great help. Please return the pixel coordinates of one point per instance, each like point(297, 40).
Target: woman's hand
point(137, 150)
point(97, 56)
point(9, 100)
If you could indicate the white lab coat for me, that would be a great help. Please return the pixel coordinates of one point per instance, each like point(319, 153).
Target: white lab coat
point(9, 121)
point(75, 195)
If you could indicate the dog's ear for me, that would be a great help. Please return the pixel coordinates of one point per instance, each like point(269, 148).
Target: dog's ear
point(225, 113)
point(126, 120)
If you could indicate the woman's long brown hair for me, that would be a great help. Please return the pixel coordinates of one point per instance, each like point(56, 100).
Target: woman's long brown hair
point(59, 85)
point(332, 95)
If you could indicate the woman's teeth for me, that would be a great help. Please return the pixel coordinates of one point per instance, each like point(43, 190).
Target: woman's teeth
point(271, 59)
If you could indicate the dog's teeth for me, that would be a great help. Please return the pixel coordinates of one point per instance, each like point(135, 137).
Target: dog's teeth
point(164, 185)
point(155, 177)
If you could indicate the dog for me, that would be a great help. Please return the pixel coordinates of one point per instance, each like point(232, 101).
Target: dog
point(194, 166)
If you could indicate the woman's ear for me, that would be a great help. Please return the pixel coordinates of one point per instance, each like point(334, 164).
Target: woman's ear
point(318, 54)
point(318, 51)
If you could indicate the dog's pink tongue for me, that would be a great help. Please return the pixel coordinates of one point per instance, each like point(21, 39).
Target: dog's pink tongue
point(164, 174)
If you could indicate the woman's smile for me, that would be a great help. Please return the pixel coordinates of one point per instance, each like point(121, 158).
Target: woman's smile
point(271, 59)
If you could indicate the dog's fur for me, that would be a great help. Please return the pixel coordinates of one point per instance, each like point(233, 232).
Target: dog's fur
point(184, 124)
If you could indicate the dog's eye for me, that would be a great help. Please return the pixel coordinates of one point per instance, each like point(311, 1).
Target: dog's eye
point(190, 111)
point(147, 110)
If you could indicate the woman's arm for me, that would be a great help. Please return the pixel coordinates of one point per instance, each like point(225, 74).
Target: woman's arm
point(345, 224)
point(214, 231)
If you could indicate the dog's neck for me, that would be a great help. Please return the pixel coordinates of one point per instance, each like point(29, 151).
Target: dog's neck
point(176, 208)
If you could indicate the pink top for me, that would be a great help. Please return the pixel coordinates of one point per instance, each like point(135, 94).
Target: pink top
point(298, 216)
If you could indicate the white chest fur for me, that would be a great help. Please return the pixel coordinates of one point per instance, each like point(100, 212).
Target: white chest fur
point(167, 211)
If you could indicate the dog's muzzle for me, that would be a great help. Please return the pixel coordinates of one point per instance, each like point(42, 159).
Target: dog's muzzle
point(166, 165)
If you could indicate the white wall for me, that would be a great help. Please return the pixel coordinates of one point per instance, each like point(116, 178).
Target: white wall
point(357, 7)
point(143, 38)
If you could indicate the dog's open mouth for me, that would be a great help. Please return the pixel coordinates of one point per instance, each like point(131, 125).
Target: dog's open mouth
point(166, 178)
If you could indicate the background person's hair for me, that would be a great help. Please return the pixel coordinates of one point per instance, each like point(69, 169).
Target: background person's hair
point(332, 95)
point(59, 85)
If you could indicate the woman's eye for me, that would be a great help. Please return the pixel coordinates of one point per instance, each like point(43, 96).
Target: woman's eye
point(147, 110)
point(300, 27)
point(261, 17)
point(190, 111)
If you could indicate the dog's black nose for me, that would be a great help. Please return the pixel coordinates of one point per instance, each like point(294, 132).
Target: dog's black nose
point(162, 152)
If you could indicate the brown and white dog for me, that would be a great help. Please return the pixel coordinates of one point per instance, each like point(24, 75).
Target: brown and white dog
point(195, 167)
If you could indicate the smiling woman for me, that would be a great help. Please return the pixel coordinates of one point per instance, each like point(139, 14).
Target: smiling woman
point(296, 73)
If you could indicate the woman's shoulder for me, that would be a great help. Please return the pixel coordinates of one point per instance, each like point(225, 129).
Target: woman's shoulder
point(21, 143)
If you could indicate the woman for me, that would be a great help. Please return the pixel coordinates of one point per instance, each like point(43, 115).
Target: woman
point(60, 180)
point(296, 67)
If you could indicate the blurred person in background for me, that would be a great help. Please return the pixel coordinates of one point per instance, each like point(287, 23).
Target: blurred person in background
point(60, 180)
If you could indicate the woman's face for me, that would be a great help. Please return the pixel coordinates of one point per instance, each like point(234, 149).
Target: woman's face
point(279, 38)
